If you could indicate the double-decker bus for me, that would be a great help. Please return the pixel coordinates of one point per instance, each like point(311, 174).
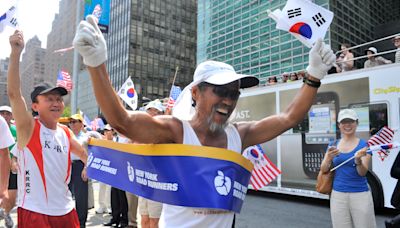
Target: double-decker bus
point(374, 93)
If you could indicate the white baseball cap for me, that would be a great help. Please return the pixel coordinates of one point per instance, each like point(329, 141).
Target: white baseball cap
point(156, 104)
point(213, 72)
point(372, 49)
point(5, 108)
point(347, 114)
point(219, 73)
point(108, 127)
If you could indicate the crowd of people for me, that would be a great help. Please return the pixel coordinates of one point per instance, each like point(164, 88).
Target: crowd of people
point(51, 159)
point(344, 62)
point(286, 77)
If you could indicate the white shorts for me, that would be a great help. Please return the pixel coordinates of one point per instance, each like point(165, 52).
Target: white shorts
point(352, 209)
point(149, 207)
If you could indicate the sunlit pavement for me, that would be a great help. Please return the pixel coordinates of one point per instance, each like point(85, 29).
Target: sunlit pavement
point(94, 220)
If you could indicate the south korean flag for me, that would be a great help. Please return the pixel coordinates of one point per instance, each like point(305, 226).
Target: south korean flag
point(304, 19)
point(9, 18)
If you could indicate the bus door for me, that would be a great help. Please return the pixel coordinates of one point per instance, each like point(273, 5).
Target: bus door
point(320, 130)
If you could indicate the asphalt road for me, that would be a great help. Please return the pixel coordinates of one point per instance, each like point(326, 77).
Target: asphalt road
point(267, 210)
point(277, 210)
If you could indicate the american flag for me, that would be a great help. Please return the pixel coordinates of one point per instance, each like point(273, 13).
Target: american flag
point(264, 171)
point(175, 91)
point(97, 123)
point(383, 136)
point(64, 80)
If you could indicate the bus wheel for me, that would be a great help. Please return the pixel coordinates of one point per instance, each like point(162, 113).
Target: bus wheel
point(376, 189)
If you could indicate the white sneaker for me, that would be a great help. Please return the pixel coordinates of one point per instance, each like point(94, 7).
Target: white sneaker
point(101, 210)
point(8, 221)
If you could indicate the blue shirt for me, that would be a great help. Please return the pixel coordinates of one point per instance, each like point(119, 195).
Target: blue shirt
point(346, 177)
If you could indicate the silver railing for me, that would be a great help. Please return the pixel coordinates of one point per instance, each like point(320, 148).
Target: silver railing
point(352, 48)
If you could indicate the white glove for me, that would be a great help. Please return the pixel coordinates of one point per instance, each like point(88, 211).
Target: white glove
point(320, 59)
point(90, 43)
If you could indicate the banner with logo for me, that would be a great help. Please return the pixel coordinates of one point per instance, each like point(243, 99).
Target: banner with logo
point(176, 174)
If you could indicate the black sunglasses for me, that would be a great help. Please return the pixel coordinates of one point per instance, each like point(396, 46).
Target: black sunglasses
point(223, 91)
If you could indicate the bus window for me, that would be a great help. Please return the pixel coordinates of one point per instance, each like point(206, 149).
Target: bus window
point(372, 117)
point(378, 115)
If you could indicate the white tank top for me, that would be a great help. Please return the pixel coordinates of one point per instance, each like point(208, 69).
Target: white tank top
point(44, 172)
point(177, 216)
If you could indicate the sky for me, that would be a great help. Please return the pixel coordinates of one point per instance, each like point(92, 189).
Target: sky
point(35, 17)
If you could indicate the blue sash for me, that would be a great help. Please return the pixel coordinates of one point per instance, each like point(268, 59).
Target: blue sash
point(176, 174)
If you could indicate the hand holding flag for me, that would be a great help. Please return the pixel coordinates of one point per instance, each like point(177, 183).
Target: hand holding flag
point(379, 142)
point(264, 171)
point(303, 19)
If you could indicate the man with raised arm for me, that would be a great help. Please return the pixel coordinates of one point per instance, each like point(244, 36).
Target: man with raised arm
point(43, 154)
point(214, 92)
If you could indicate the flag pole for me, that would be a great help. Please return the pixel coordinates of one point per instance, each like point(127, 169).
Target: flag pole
point(168, 110)
point(371, 149)
point(75, 66)
point(173, 81)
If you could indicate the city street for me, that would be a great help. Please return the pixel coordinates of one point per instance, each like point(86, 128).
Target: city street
point(276, 210)
point(265, 210)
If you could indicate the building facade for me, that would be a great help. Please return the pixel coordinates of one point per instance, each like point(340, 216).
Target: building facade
point(32, 69)
point(240, 33)
point(61, 35)
point(86, 99)
point(148, 40)
point(3, 81)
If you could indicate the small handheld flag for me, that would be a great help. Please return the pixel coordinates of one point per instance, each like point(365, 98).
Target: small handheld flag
point(128, 93)
point(175, 91)
point(9, 18)
point(303, 19)
point(97, 11)
point(383, 136)
point(379, 142)
point(264, 171)
point(64, 80)
point(97, 123)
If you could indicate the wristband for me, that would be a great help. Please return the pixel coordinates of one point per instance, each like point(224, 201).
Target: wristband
point(311, 83)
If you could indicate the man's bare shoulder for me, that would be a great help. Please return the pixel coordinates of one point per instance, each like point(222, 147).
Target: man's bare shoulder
point(173, 125)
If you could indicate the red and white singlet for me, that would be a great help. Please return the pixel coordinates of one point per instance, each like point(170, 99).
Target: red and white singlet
point(44, 171)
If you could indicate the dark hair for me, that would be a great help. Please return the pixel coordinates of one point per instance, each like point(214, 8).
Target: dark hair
point(346, 45)
point(202, 85)
point(34, 113)
point(101, 131)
